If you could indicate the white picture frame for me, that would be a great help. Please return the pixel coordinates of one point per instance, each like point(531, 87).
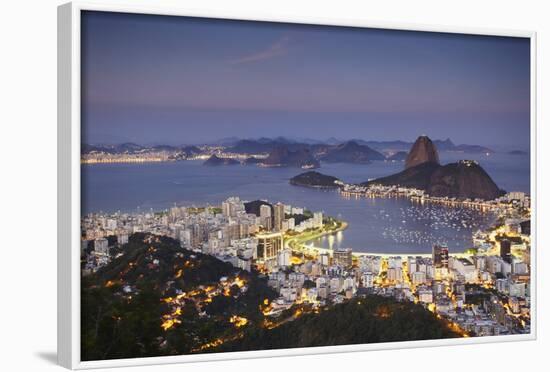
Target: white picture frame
point(69, 184)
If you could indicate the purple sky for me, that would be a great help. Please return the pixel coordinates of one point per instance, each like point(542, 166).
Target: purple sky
point(175, 80)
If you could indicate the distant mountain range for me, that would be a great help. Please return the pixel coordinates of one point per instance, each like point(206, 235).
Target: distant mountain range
point(282, 153)
point(265, 145)
point(351, 152)
point(347, 152)
point(381, 146)
point(285, 152)
point(283, 156)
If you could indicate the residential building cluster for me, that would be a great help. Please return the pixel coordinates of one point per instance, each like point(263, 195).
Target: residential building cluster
point(510, 200)
point(229, 233)
point(142, 157)
point(162, 154)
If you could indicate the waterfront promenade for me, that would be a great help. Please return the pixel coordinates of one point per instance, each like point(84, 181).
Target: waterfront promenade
point(301, 244)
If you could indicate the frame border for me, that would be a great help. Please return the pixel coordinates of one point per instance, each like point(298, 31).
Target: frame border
point(68, 178)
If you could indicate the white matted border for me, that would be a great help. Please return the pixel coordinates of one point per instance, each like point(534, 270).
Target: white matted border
point(69, 129)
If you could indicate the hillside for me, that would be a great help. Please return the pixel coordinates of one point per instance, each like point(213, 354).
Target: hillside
point(463, 179)
point(266, 145)
point(416, 177)
point(360, 321)
point(282, 156)
point(159, 299)
point(351, 152)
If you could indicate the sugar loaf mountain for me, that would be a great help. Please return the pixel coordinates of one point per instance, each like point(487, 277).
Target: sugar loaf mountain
point(462, 179)
point(422, 151)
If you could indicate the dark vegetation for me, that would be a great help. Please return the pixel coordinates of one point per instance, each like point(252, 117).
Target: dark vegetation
point(314, 179)
point(417, 177)
point(370, 320)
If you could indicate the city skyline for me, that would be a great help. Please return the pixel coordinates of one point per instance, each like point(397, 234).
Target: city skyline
point(192, 77)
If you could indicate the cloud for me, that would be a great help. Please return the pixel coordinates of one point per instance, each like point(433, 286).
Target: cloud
point(278, 48)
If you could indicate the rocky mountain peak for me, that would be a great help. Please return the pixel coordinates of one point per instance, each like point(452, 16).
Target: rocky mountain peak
point(422, 151)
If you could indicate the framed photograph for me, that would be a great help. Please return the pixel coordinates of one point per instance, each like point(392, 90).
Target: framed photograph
point(240, 185)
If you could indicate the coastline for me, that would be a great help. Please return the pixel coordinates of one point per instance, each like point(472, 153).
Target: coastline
point(320, 250)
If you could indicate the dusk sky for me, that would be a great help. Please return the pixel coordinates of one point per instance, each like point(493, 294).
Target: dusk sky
point(178, 80)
